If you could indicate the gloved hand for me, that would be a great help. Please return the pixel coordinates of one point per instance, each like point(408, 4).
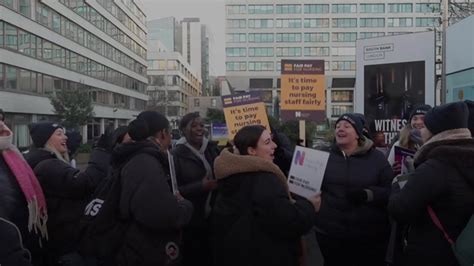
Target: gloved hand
point(357, 195)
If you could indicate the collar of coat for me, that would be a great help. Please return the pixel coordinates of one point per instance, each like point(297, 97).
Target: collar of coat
point(227, 164)
point(367, 145)
point(455, 145)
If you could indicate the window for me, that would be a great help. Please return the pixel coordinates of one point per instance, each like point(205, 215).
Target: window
point(236, 37)
point(24, 39)
point(11, 37)
point(288, 9)
point(24, 81)
point(261, 66)
point(260, 9)
point(427, 22)
point(235, 52)
point(316, 23)
point(344, 22)
point(213, 102)
point(365, 35)
point(236, 66)
point(343, 65)
point(288, 23)
point(316, 37)
point(342, 96)
point(400, 8)
point(316, 9)
point(288, 37)
point(236, 9)
point(25, 8)
point(288, 51)
point(372, 8)
point(343, 51)
point(344, 8)
point(56, 22)
point(399, 22)
point(338, 110)
point(344, 36)
point(10, 77)
point(427, 8)
point(316, 51)
point(260, 23)
point(236, 24)
point(372, 22)
point(260, 37)
point(260, 51)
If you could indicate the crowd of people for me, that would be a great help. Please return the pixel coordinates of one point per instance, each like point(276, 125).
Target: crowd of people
point(232, 205)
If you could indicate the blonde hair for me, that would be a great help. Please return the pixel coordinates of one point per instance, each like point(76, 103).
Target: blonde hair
point(405, 140)
point(63, 157)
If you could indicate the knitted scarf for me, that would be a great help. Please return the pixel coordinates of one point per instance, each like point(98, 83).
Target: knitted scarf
point(29, 185)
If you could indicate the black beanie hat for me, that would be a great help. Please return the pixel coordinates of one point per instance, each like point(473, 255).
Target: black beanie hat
point(155, 121)
point(365, 128)
point(355, 121)
point(446, 117)
point(470, 106)
point(419, 110)
point(138, 130)
point(40, 132)
point(186, 119)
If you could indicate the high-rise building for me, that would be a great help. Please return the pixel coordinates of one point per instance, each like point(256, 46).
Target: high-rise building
point(47, 46)
point(261, 33)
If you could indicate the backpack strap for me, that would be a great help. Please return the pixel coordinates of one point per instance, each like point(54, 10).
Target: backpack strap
point(438, 224)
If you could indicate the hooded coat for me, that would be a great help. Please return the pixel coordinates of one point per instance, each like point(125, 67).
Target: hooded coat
point(155, 216)
point(341, 218)
point(255, 221)
point(444, 180)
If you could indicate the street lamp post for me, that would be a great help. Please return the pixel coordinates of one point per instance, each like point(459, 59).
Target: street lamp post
point(445, 21)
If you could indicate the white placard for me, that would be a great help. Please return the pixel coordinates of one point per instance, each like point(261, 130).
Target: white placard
point(307, 171)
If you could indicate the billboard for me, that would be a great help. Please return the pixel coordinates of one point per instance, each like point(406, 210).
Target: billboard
point(394, 74)
point(303, 90)
point(243, 110)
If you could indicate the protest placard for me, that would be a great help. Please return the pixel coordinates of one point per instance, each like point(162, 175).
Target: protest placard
point(307, 171)
point(243, 110)
point(404, 157)
point(219, 133)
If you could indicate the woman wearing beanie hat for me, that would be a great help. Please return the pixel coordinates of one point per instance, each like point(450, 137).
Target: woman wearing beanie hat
point(66, 189)
point(194, 158)
point(410, 135)
point(352, 224)
point(154, 215)
point(443, 181)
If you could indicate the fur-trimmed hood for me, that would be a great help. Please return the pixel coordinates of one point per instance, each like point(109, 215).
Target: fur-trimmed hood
point(227, 164)
point(455, 147)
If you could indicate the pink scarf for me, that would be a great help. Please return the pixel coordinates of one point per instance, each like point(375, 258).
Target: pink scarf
point(29, 185)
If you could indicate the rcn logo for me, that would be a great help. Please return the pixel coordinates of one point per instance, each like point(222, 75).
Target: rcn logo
point(299, 158)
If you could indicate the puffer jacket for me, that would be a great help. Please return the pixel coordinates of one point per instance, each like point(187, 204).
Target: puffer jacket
point(254, 220)
point(155, 215)
point(444, 180)
point(341, 218)
point(67, 191)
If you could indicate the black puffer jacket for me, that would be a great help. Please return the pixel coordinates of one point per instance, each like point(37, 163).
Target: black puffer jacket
point(254, 221)
point(340, 217)
point(189, 172)
point(153, 236)
point(67, 191)
point(12, 250)
point(443, 179)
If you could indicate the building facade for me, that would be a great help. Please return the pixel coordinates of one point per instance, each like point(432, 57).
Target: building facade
point(47, 46)
point(201, 104)
point(261, 33)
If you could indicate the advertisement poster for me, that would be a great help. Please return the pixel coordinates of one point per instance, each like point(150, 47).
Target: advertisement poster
point(242, 110)
point(394, 74)
point(219, 133)
point(307, 171)
point(303, 90)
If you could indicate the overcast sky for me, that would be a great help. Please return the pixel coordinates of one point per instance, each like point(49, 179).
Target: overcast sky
point(211, 13)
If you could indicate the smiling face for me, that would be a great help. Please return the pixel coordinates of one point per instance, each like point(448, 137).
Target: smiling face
point(265, 148)
point(58, 140)
point(195, 134)
point(418, 121)
point(345, 134)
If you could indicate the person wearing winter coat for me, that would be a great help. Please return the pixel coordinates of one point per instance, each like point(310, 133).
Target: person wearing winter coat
point(155, 216)
point(352, 224)
point(23, 211)
point(255, 219)
point(443, 180)
point(66, 189)
point(470, 125)
point(194, 157)
point(409, 136)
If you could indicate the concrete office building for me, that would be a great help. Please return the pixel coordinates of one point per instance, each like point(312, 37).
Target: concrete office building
point(49, 45)
point(261, 33)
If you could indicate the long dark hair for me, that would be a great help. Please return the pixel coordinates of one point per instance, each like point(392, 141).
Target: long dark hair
point(248, 136)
